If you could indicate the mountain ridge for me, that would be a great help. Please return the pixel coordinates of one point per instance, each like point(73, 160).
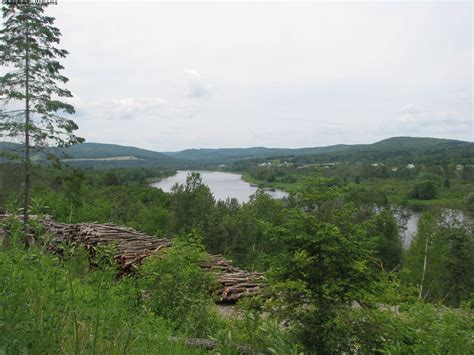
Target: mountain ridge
point(102, 155)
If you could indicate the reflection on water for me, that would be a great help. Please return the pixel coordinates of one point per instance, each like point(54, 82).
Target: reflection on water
point(407, 220)
point(228, 185)
point(222, 185)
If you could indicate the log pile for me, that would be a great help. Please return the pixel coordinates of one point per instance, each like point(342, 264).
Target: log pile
point(131, 247)
point(235, 283)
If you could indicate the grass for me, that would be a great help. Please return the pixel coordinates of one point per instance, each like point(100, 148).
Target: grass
point(285, 186)
point(396, 190)
point(51, 307)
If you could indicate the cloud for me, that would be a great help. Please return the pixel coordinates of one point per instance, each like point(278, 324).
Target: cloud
point(121, 109)
point(417, 115)
point(418, 120)
point(411, 110)
point(196, 86)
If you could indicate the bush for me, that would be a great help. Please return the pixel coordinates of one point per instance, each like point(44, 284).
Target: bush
point(51, 306)
point(416, 329)
point(423, 190)
point(179, 291)
point(436, 179)
point(470, 200)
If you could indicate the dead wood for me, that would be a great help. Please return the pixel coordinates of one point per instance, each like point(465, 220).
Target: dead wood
point(132, 247)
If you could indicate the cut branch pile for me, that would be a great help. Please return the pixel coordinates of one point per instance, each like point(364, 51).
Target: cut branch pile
point(131, 247)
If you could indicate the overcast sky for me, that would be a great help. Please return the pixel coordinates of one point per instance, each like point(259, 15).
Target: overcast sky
point(170, 76)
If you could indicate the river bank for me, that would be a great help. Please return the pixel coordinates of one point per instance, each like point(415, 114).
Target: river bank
point(223, 185)
point(395, 190)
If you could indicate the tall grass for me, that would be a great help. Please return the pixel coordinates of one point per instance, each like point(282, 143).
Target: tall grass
point(48, 306)
point(77, 303)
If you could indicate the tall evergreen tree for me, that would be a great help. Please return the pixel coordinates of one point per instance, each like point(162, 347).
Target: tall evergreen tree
point(31, 90)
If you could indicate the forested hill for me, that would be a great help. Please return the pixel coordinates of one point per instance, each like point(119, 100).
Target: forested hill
point(403, 150)
point(98, 155)
point(91, 154)
point(396, 147)
point(229, 155)
point(399, 149)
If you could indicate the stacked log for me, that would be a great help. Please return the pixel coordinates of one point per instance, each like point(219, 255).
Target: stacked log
point(235, 283)
point(131, 247)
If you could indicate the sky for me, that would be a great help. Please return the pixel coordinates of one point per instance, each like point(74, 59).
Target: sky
point(172, 76)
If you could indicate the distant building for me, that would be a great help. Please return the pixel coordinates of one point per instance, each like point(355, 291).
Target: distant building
point(394, 169)
point(375, 164)
point(459, 167)
point(411, 166)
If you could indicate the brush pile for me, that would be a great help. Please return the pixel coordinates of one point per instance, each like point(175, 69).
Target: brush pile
point(131, 247)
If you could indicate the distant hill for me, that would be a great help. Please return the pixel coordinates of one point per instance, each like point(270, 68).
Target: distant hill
point(400, 149)
point(98, 155)
point(113, 155)
point(229, 155)
point(387, 148)
point(396, 149)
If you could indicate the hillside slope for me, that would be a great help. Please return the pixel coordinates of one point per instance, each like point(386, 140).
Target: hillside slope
point(229, 155)
point(99, 155)
point(396, 149)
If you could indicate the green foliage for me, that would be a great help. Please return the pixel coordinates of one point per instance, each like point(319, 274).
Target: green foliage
point(440, 260)
point(322, 266)
point(322, 249)
point(191, 205)
point(54, 309)
point(423, 190)
point(428, 176)
point(27, 43)
point(417, 328)
point(179, 290)
point(470, 200)
point(366, 196)
point(317, 193)
point(389, 245)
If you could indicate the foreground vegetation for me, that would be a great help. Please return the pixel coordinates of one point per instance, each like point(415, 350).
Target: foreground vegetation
point(338, 280)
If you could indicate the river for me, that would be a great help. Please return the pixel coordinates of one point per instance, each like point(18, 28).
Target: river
point(229, 185)
point(222, 185)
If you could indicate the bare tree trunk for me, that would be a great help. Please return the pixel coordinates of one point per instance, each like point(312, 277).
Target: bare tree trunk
point(27, 163)
point(425, 262)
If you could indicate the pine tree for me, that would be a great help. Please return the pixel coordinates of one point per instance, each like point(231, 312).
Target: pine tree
point(31, 91)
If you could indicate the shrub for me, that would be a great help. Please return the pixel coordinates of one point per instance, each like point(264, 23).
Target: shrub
point(179, 291)
point(423, 190)
point(51, 306)
point(470, 200)
point(417, 329)
point(436, 179)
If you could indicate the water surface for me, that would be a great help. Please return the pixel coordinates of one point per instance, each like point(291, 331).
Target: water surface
point(222, 185)
point(229, 185)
